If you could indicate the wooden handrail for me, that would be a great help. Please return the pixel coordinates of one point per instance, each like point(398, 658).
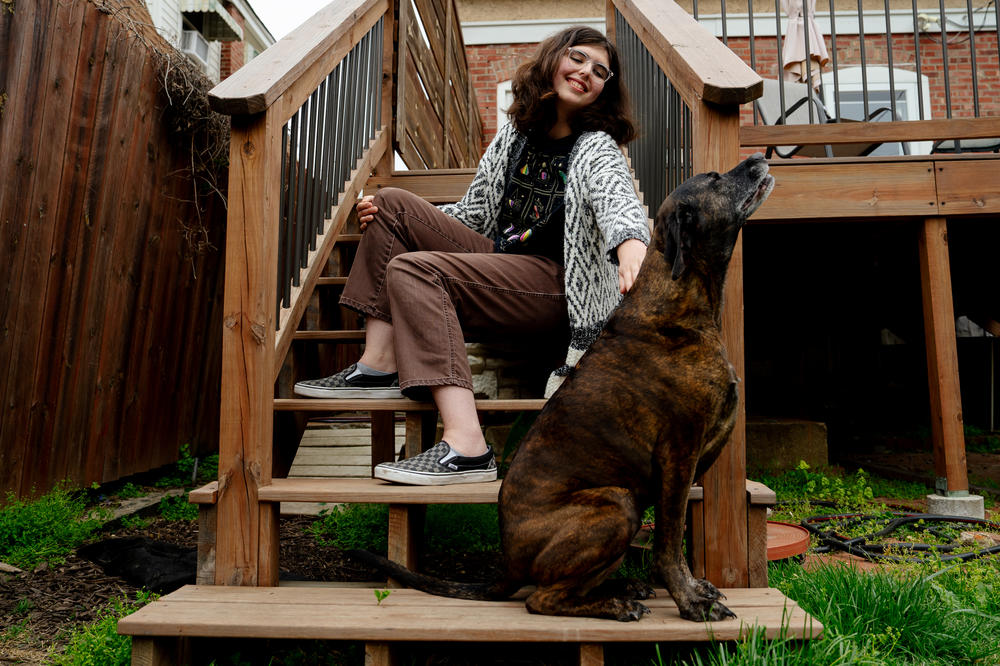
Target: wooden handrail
point(858, 132)
point(299, 61)
point(699, 66)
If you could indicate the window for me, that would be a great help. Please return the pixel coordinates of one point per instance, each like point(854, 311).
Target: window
point(904, 87)
point(505, 97)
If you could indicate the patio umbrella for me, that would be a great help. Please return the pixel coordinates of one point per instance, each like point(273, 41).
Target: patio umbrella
point(793, 52)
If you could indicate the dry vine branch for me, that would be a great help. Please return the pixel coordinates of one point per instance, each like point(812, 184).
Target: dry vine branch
point(186, 113)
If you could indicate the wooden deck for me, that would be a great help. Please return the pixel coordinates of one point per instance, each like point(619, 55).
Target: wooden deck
point(328, 613)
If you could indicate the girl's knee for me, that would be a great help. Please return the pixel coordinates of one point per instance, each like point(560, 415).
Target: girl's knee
point(391, 198)
point(411, 264)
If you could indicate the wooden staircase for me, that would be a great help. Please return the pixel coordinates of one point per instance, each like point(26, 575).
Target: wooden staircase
point(315, 121)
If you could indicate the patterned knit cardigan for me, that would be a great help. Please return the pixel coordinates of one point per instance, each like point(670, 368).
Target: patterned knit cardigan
point(602, 210)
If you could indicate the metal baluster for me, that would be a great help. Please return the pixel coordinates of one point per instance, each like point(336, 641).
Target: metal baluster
point(342, 125)
point(892, 76)
point(809, 69)
point(284, 279)
point(916, 50)
point(864, 62)
point(725, 28)
point(300, 236)
point(781, 57)
point(323, 191)
point(944, 59)
point(328, 131)
point(314, 112)
point(688, 140)
point(833, 57)
point(972, 57)
point(753, 49)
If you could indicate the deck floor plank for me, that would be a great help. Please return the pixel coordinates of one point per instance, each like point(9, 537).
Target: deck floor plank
point(409, 615)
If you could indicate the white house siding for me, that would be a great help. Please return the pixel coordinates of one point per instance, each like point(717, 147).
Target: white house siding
point(166, 15)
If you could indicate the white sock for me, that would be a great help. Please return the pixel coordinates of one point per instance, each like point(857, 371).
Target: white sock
point(366, 370)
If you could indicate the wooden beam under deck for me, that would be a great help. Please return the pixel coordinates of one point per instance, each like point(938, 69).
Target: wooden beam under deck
point(818, 189)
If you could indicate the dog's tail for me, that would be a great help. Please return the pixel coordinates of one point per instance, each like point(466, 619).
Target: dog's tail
point(492, 591)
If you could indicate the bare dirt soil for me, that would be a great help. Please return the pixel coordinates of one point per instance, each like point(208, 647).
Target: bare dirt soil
point(63, 596)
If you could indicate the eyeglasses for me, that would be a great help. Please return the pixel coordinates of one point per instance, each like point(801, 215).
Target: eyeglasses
point(600, 70)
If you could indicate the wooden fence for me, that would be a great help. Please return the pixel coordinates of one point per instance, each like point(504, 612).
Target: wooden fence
point(437, 117)
point(110, 289)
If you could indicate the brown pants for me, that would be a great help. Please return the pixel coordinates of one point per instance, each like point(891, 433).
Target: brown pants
point(437, 281)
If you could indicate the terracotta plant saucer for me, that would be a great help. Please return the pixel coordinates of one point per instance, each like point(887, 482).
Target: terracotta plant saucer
point(785, 540)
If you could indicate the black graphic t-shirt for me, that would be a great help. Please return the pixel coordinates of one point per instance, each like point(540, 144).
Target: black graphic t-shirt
point(532, 215)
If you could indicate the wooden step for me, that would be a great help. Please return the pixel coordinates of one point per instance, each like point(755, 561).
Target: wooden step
point(407, 505)
point(327, 281)
point(330, 336)
point(336, 613)
point(399, 405)
point(376, 491)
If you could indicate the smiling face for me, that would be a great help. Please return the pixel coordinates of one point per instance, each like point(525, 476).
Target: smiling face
point(575, 83)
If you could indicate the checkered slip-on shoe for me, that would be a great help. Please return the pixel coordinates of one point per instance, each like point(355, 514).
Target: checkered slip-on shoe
point(351, 383)
point(440, 466)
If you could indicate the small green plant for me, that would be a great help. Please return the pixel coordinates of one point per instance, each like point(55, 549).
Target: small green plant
point(134, 522)
point(480, 531)
point(98, 644)
point(23, 606)
point(177, 507)
point(44, 529)
point(381, 595)
point(978, 440)
point(15, 631)
point(189, 470)
point(364, 526)
point(353, 526)
point(130, 491)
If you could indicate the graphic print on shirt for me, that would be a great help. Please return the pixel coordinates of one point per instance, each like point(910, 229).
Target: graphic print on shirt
point(534, 200)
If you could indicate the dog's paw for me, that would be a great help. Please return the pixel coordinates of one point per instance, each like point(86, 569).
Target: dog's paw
point(706, 590)
point(637, 589)
point(632, 611)
point(706, 610)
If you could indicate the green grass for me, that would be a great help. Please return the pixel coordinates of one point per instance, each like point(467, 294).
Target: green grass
point(450, 528)
point(44, 529)
point(98, 643)
point(893, 616)
point(921, 613)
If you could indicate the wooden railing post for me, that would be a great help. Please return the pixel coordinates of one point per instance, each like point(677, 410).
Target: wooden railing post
point(715, 144)
point(947, 431)
point(248, 546)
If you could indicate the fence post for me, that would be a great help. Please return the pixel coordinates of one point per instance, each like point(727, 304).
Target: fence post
point(715, 145)
point(247, 548)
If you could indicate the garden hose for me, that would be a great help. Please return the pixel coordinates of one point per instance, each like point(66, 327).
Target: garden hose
point(831, 539)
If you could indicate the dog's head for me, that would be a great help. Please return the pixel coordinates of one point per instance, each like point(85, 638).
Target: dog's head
point(701, 219)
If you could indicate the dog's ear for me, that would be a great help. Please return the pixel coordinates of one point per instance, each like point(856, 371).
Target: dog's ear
point(678, 238)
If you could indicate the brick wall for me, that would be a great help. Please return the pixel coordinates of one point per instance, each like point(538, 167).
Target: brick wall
point(233, 53)
point(931, 65)
point(492, 64)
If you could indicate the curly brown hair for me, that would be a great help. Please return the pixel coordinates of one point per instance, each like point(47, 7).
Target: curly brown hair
point(534, 107)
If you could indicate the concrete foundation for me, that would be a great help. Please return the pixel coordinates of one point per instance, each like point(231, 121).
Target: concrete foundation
point(967, 506)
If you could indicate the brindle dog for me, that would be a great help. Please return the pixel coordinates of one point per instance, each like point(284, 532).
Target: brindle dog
point(645, 412)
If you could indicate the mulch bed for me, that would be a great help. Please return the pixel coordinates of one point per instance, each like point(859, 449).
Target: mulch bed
point(73, 593)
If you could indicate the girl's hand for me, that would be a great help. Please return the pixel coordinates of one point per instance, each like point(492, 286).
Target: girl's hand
point(366, 211)
point(630, 256)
